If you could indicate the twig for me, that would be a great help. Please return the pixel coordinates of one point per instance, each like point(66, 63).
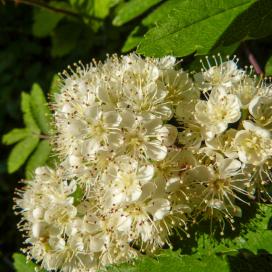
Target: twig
point(42, 4)
point(253, 61)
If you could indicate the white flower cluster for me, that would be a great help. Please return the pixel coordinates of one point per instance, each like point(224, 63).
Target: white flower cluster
point(145, 150)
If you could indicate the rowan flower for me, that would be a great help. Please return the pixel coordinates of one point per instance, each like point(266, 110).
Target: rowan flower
point(143, 148)
point(245, 90)
point(260, 108)
point(254, 144)
point(216, 113)
point(220, 76)
point(124, 180)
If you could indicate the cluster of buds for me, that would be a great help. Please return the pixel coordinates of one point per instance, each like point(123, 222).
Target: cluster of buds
point(145, 150)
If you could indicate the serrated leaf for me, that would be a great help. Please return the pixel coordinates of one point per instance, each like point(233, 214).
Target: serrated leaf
point(133, 39)
point(28, 118)
point(21, 152)
point(173, 261)
point(254, 235)
point(193, 26)
point(132, 9)
point(44, 22)
point(224, 51)
point(38, 158)
point(21, 264)
point(15, 135)
point(39, 109)
point(154, 18)
point(254, 23)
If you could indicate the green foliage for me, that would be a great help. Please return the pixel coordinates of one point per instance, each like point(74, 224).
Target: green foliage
point(268, 67)
point(21, 152)
point(15, 135)
point(39, 109)
point(29, 120)
point(39, 28)
point(38, 158)
point(21, 264)
point(36, 116)
point(193, 26)
point(132, 9)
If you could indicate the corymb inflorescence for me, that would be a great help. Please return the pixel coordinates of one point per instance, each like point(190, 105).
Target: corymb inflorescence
point(145, 150)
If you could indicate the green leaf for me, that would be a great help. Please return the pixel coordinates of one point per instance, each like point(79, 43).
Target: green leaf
point(253, 236)
point(268, 67)
point(193, 26)
point(224, 51)
point(64, 39)
point(40, 109)
point(83, 6)
point(173, 261)
point(133, 39)
point(38, 158)
point(254, 23)
point(27, 113)
point(21, 152)
point(154, 18)
point(15, 135)
point(21, 264)
point(132, 9)
point(44, 22)
point(102, 8)
point(54, 87)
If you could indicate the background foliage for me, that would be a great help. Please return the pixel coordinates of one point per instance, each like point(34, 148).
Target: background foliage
point(39, 38)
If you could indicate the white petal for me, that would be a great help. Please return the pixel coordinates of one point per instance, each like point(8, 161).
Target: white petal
point(229, 167)
point(112, 119)
point(155, 151)
point(159, 208)
point(172, 135)
point(145, 173)
point(128, 119)
point(147, 189)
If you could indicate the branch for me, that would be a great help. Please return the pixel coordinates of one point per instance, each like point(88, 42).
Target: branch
point(253, 61)
point(42, 4)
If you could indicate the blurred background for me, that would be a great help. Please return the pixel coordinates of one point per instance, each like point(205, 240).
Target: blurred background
point(39, 38)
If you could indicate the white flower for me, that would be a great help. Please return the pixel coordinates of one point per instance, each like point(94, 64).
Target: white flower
point(220, 110)
point(192, 133)
point(147, 139)
point(245, 90)
point(124, 180)
point(261, 110)
point(222, 76)
point(179, 86)
point(254, 144)
point(224, 143)
point(217, 188)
